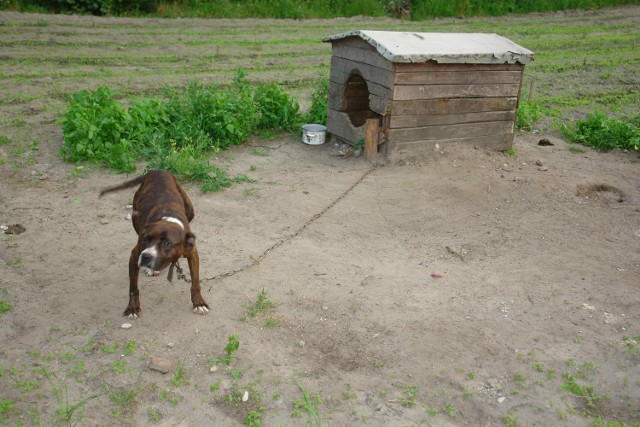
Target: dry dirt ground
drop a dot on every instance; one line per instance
(473, 289)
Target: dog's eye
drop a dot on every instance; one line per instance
(166, 244)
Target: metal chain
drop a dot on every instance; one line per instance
(181, 274)
(259, 259)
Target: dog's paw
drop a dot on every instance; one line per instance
(132, 313)
(201, 309)
(152, 273)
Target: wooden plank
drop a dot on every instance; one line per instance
(403, 93)
(452, 106)
(438, 132)
(342, 69)
(379, 104)
(356, 49)
(339, 124)
(417, 120)
(371, 139)
(434, 66)
(463, 77)
(421, 150)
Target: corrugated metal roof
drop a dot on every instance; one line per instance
(445, 48)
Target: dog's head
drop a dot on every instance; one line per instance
(163, 242)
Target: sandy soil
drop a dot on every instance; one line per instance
(467, 285)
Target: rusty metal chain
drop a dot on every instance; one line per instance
(258, 260)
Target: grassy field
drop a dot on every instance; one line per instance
(306, 9)
(583, 61)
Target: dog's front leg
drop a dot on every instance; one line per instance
(133, 309)
(200, 306)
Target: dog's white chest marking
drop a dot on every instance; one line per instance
(173, 220)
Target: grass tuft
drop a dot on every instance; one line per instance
(309, 404)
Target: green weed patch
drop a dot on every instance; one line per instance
(96, 129)
(605, 133)
(5, 305)
(319, 103)
(527, 115)
(232, 346)
(179, 132)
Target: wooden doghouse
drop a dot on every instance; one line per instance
(424, 89)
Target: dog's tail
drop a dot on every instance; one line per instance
(132, 183)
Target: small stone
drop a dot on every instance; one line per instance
(104, 221)
(170, 345)
(543, 168)
(214, 368)
(539, 162)
(325, 308)
(245, 396)
(161, 365)
(126, 326)
(129, 216)
(501, 399)
(301, 343)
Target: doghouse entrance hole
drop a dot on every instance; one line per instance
(356, 96)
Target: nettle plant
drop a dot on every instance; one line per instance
(95, 129)
(179, 132)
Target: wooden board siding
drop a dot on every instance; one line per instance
(466, 77)
(342, 69)
(403, 93)
(418, 120)
(434, 66)
(466, 103)
(449, 131)
(357, 50)
(452, 106)
(339, 124)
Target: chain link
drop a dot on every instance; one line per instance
(259, 259)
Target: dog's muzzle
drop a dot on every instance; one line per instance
(147, 261)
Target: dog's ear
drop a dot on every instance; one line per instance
(189, 241)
